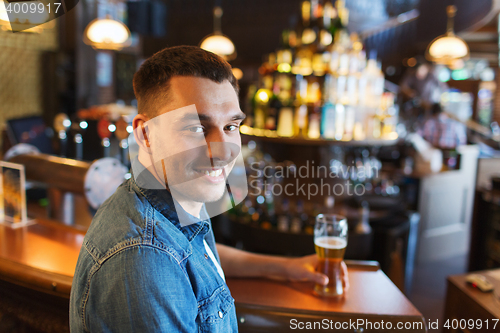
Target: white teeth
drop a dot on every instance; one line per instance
(213, 173)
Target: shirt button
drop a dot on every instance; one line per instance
(220, 315)
(206, 256)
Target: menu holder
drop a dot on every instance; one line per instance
(13, 211)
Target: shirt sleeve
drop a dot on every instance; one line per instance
(427, 131)
(461, 134)
(141, 289)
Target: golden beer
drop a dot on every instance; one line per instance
(330, 242)
(330, 251)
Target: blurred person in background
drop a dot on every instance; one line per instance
(420, 89)
(444, 133)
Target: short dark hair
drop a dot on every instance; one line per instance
(151, 81)
(436, 109)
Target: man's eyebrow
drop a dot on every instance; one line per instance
(239, 116)
(190, 116)
(205, 117)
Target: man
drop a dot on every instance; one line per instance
(423, 84)
(149, 262)
(421, 89)
(442, 131)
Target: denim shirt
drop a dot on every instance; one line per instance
(140, 270)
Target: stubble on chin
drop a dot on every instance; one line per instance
(200, 193)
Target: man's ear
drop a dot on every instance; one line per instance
(139, 123)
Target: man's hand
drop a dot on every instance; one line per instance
(237, 263)
(304, 269)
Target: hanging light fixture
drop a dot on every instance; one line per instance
(218, 43)
(107, 34)
(448, 48)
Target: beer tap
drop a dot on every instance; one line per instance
(78, 127)
(123, 130)
(61, 126)
(104, 132)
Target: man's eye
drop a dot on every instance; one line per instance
(232, 127)
(196, 129)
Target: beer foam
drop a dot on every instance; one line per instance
(328, 242)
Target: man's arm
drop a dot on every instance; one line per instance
(140, 289)
(238, 263)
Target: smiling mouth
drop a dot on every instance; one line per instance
(212, 173)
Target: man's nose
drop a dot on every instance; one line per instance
(219, 149)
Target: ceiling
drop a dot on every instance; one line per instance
(255, 26)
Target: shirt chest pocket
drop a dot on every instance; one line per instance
(216, 313)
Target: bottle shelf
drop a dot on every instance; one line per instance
(389, 139)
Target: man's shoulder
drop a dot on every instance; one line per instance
(122, 217)
(126, 219)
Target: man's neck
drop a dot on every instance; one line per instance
(145, 159)
(191, 207)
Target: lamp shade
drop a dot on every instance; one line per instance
(446, 49)
(107, 34)
(220, 45)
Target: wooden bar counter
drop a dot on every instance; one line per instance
(37, 263)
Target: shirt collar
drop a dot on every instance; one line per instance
(144, 183)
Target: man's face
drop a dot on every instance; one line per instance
(422, 71)
(197, 139)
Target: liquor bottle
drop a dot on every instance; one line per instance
(341, 83)
(274, 108)
(285, 126)
(301, 120)
(311, 219)
(258, 216)
(259, 117)
(326, 37)
(264, 218)
(284, 56)
(297, 222)
(246, 211)
(340, 18)
(328, 120)
(314, 123)
(285, 122)
(350, 114)
(250, 105)
(327, 126)
(301, 113)
(339, 121)
(363, 226)
(308, 35)
(313, 93)
(262, 98)
(284, 217)
(270, 207)
(285, 88)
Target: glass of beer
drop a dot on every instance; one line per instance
(330, 241)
